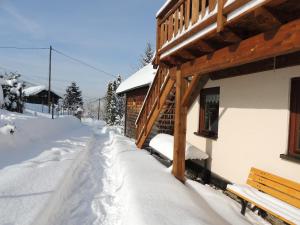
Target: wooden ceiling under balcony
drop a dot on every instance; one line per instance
(173, 20)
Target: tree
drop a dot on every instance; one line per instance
(12, 92)
(108, 109)
(147, 57)
(114, 110)
(73, 97)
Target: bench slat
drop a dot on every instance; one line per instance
(274, 185)
(280, 180)
(277, 194)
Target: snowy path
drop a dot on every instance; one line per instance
(118, 184)
(75, 174)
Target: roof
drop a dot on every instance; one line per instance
(141, 78)
(35, 90)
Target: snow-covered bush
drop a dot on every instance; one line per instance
(12, 92)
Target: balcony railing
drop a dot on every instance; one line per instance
(195, 18)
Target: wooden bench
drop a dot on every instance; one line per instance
(270, 193)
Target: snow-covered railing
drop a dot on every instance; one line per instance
(181, 19)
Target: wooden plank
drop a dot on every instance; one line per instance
(195, 11)
(181, 19)
(179, 129)
(277, 179)
(176, 22)
(275, 185)
(277, 194)
(212, 5)
(221, 19)
(187, 14)
(203, 8)
(281, 41)
(261, 207)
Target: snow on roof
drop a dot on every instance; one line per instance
(163, 7)
(141, 78)
(35, 90)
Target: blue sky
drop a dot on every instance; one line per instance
(107, 34)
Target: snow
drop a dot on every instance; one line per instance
(64, 172)
(275, 205)
(163, 7)
(35, 90)
(139, 79)
(34, 164)
(7, 129)
(164, 143)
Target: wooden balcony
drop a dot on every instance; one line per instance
(187, 29)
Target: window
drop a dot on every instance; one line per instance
(209, 112)
(294, 138)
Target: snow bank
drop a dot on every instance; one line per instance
(28, 131)
(164, 143)
(141, 78)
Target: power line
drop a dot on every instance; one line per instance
(21, 48)
(84, 63)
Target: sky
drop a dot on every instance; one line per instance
(110, 35)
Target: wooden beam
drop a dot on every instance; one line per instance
(180, 129)
(284, 40)
(221, 19)
(197, 83)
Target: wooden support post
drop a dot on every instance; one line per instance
(180, 128)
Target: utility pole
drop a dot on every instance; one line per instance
(49, 88)
(99, 105)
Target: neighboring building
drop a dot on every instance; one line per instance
(135, 89)
(236, 70)
(39, 95)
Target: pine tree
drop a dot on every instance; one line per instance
(114, 110)
(108, 108)
(147, 57)
(73, 97)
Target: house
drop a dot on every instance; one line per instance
(235, 66)
(39, 95)
(135, 89)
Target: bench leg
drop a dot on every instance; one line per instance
(244, 206)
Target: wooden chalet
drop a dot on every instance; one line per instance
(135, 89)
(235, 68)
(39, 95)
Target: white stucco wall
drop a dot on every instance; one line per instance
(253, 125)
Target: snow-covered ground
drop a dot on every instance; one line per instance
(63, 172)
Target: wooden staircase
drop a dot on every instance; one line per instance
(154, 103)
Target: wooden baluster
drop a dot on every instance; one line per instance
(212, 5)
(203, 8)
(195, 11)
(187, 13)
(181, 16)
(221, 19)
(162, 35)
(176, 23)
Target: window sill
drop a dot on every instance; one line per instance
(291, 158)
(206, 136)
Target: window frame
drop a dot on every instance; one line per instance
(201, 127)
(294, 131)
